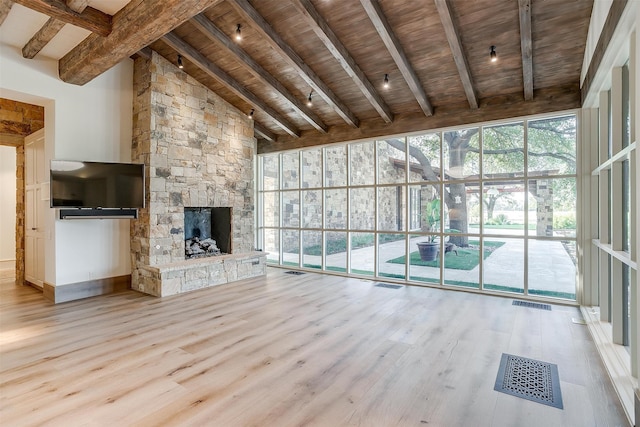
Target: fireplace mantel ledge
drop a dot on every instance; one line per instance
(203, 262)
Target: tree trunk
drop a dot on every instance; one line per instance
(458, 222)
(490, 203)
(456, 199)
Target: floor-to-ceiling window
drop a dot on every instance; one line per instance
(490, 207)
(609, 286)
(615, 170)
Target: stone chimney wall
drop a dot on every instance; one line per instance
(198, 151)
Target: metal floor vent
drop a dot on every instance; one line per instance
(529, 379)
(296, 273)
(387, 285)
(532, 305)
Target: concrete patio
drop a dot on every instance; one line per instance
(551, 269)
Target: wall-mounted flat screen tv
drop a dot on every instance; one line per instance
(79, 184)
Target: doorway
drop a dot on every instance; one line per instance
(22, 120)
(36, 203)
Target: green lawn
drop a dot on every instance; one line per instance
(466, 259)
(336, 246)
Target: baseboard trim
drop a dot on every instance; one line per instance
(7, 264)
(90, 288)
(33, 285)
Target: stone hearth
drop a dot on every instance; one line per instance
(189, 275)
(199, 152)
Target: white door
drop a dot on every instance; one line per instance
(36, 205)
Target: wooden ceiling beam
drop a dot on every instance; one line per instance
(495, 108)
(526, 47)
(339, 51)
(78, 5)
(397, 52)
(145, 52)
(49, 31)
(444, 10)
(15, 128)
(90, 19)
(202, 62)
(11, 140)
(138, 24)
(216, 35)
(610, 25)
(263, 132)
(42, 37)
(245, 8)
(5, 8)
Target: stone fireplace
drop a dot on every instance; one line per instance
(207, 232)
(199, 152)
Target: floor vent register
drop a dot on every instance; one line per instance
(387, 285)
(532, 305)
(529, 379)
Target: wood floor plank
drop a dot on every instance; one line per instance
(285, 350)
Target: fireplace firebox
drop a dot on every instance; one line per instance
(207, 231)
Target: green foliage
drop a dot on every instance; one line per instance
(432, 215)
(360, 240)
(553, 144)
(386, 238)
(498, 220)
(503, 148)
(429, 145)
(564, 194)
(564, 222)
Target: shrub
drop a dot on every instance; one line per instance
(564, 222)
(498, 220)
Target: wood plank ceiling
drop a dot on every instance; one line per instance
(336, 54)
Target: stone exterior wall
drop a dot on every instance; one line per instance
(306, 171)
(336, 166)
(542, 190)
(199, 152)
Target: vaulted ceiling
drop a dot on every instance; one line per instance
(434, 53)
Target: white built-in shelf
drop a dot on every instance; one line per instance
(620, 156)
(622, 256)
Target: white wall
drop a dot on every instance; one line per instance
(7, 207)
(90, 122)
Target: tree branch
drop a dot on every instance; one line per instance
(560, 156)
(545, 126)
(427, 171)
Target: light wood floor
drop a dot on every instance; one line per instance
(289, 350)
